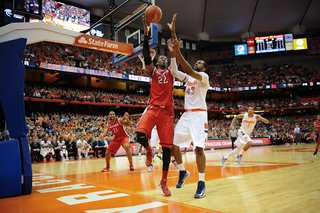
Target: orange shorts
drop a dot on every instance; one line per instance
(116, 143)
(163, 118)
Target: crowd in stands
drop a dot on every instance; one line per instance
(246, 75)
(268, 103)
(83, 94)
(47, 129)
(229, 76)
(306, 75)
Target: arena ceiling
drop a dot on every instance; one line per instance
(223, 20)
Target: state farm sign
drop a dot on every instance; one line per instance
(103, 45)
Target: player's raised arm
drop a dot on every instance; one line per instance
(264, 120)
(146, 48)
(239, 116)
(172, 26)
(106, 132)
(185, 65)
(174, 68)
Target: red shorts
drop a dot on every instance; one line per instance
(318, 136)
(116, 143)
(163, 118)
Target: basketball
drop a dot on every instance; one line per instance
(153, 14)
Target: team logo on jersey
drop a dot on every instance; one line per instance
(190, 84)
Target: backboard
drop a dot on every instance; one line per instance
(133, 32)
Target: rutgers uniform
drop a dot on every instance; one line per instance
(193, 124)
(120, 136)
(246, 128)
(317, 125)
(160, 111)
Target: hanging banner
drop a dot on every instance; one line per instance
(96, 43)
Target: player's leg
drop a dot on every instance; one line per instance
(112, 149)
(198, 125)
(126, 146)
(79, 153)
(108, 154)
(317, 147)
(143, 131)
(165, 128)
(182, 138)
(201, 163)
(239, 147)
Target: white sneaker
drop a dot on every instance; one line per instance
(80, 157)
(150, 169)
(67, 158)
(223, 160)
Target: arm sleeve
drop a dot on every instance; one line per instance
(146, 51)
(175, 72)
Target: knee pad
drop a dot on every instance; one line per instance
(142, 139)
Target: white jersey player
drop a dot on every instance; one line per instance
(244, 141)
(193, 124)
(46, 147)
(63, 149)
(83, 147)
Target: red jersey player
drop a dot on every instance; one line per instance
(115, 125)
(316, 125)
(160, 111)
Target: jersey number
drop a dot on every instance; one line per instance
(191, 90)
(114, 130)
(162, 80)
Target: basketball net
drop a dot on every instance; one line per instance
(152, 55)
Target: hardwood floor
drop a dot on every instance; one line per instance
(270, 179)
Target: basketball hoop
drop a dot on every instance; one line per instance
(152, 55)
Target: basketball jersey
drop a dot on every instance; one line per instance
(196, 91)
(117, 129)
(61, 143)
(161, 87)
(317, 124)
(248, 123)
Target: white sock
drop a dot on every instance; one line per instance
(201, 177)
(181, 167)
(242, 151)
(235, 151)
(139, 154)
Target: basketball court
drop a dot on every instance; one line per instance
(269, 180)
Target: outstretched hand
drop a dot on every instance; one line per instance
(145, 25)
(172, 24)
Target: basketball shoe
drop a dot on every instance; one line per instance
(106, 169)
(184, 174)
(131, 167)
(164, 188)
(239, 159)
(150, 169)
(223, 160)
(200, 190)
(149, 158)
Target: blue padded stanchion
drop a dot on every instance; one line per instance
(11, 99)
(10, 168)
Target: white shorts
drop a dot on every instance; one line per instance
(154, 140)
(45, 151)
(243, 138)
(192, 127)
